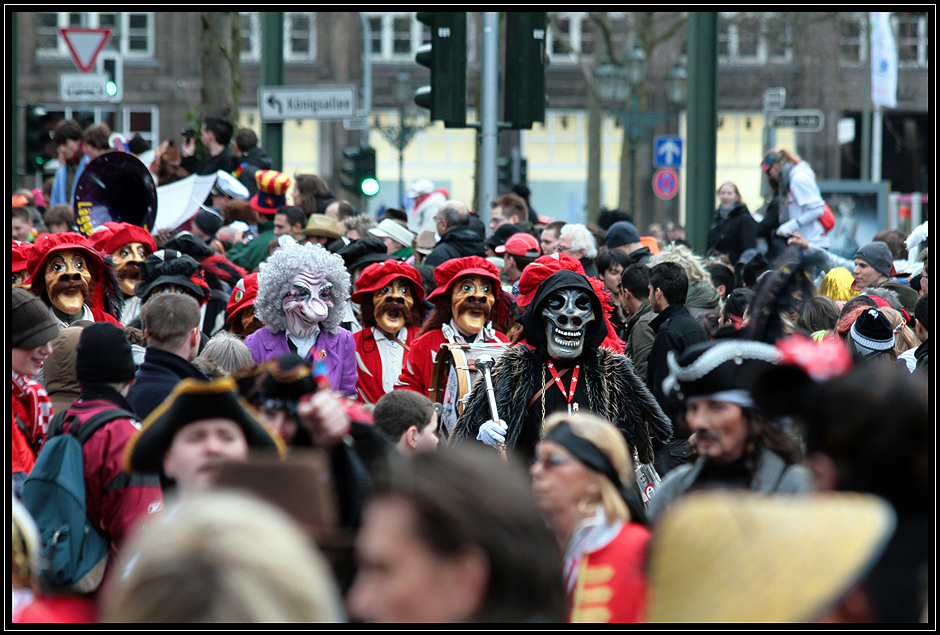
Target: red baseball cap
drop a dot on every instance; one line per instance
(521, 244)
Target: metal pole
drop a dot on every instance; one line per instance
(366, 75)
(489, 126)
(876, 144)
(703, 118)
(401, 158)
(272, 74)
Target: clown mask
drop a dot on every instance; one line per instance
(471, 303)
(307, 303)
(67, 277)
(567, 314)
(127, 260)
(393, 304)
(19, 277)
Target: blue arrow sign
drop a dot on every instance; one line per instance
(667, 151)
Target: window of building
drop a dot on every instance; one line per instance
(753, 38)
(910, 31)
(300, 36)
(576, 34)
(132, 33)
(853, 40)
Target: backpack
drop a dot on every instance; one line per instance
(74, 551)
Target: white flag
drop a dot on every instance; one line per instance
(884, 61)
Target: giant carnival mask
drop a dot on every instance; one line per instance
(127, 260)
(567, 314)
(472, 302)
(392, 305)
(307, 303)
(67, 278)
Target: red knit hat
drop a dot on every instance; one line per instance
(379, 274)
(447, 273)
(109, 236)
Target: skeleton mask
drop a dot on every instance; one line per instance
(567, 314)
(127, 260)
(67, 278)
(307, 303)
(393, 304)
(471, 303)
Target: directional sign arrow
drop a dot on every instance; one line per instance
(670, 150)
(274, 102)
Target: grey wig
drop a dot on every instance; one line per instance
(279, 269)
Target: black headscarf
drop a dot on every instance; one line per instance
(534, 325)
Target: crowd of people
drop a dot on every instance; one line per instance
(292, 412)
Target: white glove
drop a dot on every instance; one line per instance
(788, 227)
(493, 433)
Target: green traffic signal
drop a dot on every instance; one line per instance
(370, 187)
(368, 184)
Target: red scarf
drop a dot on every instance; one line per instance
(37, 403)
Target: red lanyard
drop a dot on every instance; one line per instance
(569, 394)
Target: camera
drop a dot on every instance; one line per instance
(187, 134)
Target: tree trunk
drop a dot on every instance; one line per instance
(217, 55)
(595, 121)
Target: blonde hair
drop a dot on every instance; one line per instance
(683, 256)
(609, 440)
(223, 556)
(904, 338)
(837, 284)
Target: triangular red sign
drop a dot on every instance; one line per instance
(85, 44)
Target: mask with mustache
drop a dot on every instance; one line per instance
(471, 303)
(393, 304)
(67, 277)
(127, 260)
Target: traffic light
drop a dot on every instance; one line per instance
(359, 170)
(503, 174)
(37, 136)
(113, 67)
(350, 178)
(524, 91)
(368, 184)
(446, 57)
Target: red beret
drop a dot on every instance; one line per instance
(109, 236)
(21, 252)
(48, 243)
(541, 268)
(243, 295)
(379, 274)
(447, 272)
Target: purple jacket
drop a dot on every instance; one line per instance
(337, 351)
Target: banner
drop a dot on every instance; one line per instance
(884, 61)
(177, 202)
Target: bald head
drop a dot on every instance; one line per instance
(453, 214)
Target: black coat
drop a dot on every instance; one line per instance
(156, 378)
(734, 234)
(252, 161)
(675, 330)
(455, 243)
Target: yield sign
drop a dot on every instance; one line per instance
(85, 44)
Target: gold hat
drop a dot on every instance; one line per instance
(724, 556)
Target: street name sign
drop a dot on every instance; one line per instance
(88, 88)
(805, 120)
(279, 103)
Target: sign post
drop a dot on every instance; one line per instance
(667, 151)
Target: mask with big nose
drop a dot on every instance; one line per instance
(567, 314)
(67, 280)
(393, 304)
(127, 260)
(472, 302)
(307, 303)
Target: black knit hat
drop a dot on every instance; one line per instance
(31, 323)
(209, 220)
(103, 355)
(872, 332)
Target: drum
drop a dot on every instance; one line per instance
(453, 377)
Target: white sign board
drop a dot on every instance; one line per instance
(278, 103)
(84, 44)
(83, 87)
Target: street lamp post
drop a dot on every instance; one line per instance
(616, 84)
(400, 135)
